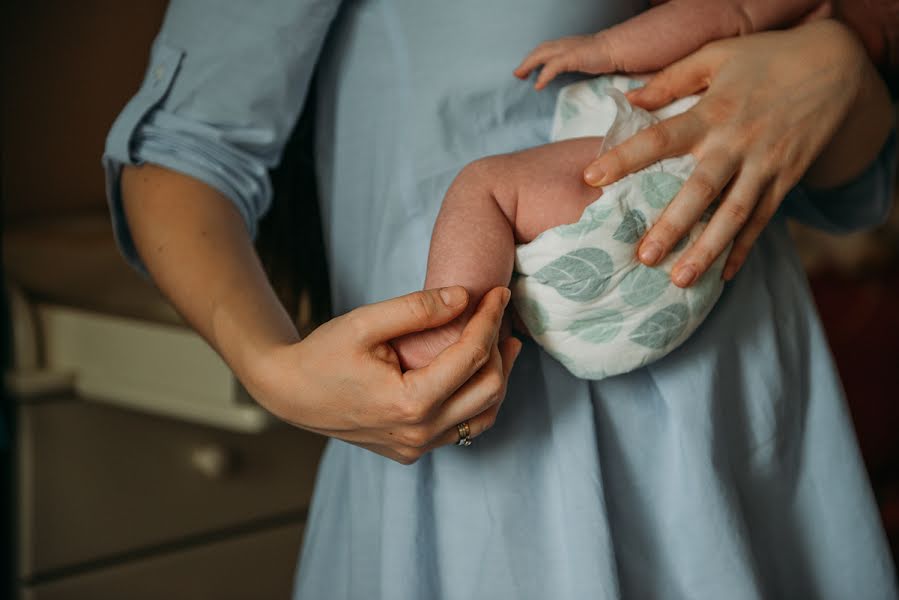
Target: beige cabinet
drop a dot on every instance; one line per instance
(256, 565)
(117, 504)
(98, 482)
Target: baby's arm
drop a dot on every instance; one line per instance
(662, 35)
(493, 204)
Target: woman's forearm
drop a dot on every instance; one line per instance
(862, 133)
(195, 245)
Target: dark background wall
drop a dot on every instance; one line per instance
(68, 69)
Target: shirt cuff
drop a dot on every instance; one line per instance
(862, 203)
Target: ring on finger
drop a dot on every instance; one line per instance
(464, 432)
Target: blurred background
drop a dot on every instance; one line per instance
(134, 465)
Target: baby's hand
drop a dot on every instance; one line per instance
(582, 53)
(664, 34)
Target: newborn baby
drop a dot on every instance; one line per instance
(579, 288)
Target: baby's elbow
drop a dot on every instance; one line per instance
(478, 171)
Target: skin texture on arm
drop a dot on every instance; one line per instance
(344, 379)
(668, 32)
(184, 244)
(492, 205)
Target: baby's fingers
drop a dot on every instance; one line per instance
(537, 57)
(586, 54)
(555, 66)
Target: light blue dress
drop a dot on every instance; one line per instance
(726, 470)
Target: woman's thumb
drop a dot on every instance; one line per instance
(410, 313)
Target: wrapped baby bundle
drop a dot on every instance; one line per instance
(579, 288)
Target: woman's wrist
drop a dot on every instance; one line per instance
(197, 248)
(868, 121)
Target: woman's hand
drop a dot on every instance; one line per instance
(344, 380)
(772, 104)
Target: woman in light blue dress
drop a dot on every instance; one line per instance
(726, 470)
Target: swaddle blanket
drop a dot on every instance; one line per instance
(579, 288)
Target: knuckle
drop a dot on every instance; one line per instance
(667, 233)
(421, 305)
(409, 412)
(495, 385)
(408, 456)
(735, 211)
(658, 137)
(702, 186)
(415, 437)
(357, 324)
(704, 255)
(480, 353)
(721, 109)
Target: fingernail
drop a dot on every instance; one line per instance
(650, 253)
(729, 272)
(453, 296)
(685, 276)
(507, 293)
(517, 350)
(594, 175)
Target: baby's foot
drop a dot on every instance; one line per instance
(417, 350)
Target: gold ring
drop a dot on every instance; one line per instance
(464, 431)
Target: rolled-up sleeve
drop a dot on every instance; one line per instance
(225, 83)
(861, 203)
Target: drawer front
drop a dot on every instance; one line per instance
(260, 565)
(97, 481)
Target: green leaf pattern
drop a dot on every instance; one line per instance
(632, 227)
(592, 218)
(568, 110)
(659, 188)
(599, 327)
(533, 314)
(643, 285)
(662, 328)
(581, 275)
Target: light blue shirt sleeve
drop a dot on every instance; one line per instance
(861, 203)
(224, 86)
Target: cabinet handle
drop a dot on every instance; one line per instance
(214, 461)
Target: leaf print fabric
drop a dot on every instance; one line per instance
(632, 227)
(643, 285)
(580, 275)
(662, 328)
(659, 189)
(601, 326)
